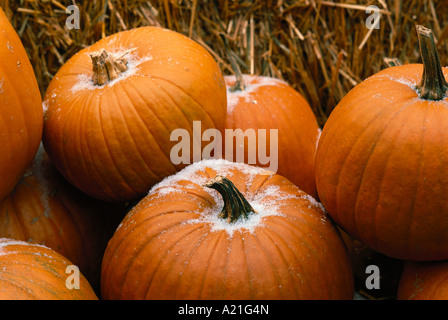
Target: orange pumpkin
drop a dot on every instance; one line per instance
(222, 230)
(20, 109)
(43, 208)
(111, 109)
(261, 104)
(424, 281)
(35, 272)
(382, 160)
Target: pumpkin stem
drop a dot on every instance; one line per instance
(239, 84)
(235, 204)
(106, 67)
(433, 85)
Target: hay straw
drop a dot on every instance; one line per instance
(322, 48)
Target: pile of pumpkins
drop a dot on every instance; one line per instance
(87, 177)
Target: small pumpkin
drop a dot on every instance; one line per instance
(259, 104)
(20, 108)
(223, 230)
(45, 209)
(35, 272)
(426, 280)
(382, 159)
(111, 110)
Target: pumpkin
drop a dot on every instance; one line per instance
(222, 230)
(427, 280)
(110, 111)
(260, 106)
(45, 209)
(35, 272)
(382, 159)
(20, 109)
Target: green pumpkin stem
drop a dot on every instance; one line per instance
(239, 83)
(433, 85)
(235, 204)
(106, 67)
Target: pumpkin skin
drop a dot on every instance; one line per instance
(267, 103)
(112, 141)
(45, 209)
(21, 113)
(382, 166)
(172, 245)
(35, 272)
(424, 281)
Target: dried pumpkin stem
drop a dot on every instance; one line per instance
(433, 85)
(235, 204)
(106, 67)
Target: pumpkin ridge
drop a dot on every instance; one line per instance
(352, 150)
(247, 267)
(296, 231)
(131, 136)
(274, 268)
(161, 214)
(39, 283)
(187, 95)
(207, 261)
(142, 224)
(123, 245)
(417, 180)
(218, 238)
(341, 111)
(23, 111)
(79, 137)
(372, 149)
(260, 187)
(249, 270)
(299, 233)
(148, 128)
(161, 260)
(100, 179)
(198, 196)
(110, 154)
(276, 237)
(17, 285)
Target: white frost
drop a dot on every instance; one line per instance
(267, 202)
(233, 98)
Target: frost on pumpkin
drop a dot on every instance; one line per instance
(267, 201)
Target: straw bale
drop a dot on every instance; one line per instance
(322, 48)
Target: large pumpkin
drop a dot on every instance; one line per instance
(382, 160)
(35, 272)
(112, 108)
(45, 209)
(20, 108)
(424, 281)
(221, 230)
(279, 129)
